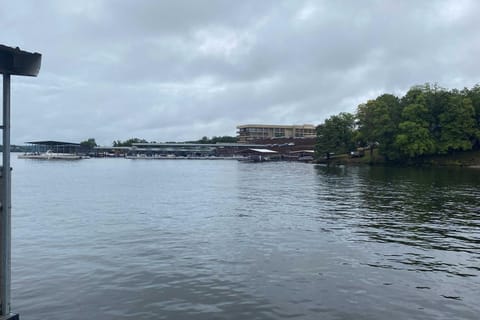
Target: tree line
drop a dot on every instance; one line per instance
(90, 143)
(215, 139)
(427, 120)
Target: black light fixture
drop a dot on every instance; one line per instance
(13, 61)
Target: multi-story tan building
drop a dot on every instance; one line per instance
(250, 132)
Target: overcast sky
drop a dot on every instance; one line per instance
(179, 70)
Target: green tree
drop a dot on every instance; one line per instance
(214, 139)
(376, 125)
(436, 99)
(128, 143)
(474, 95)
(427, 120)
(458, 129)
(224, 139)
(335, 135)
(414, 138)
(88, 144)
(416, 95)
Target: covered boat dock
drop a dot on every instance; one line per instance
(260, 154)
(55, 146)
(195, 150)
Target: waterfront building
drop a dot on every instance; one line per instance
(251, 132)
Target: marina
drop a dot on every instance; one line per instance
(292, 150)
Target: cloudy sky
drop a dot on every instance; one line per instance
(179, 70)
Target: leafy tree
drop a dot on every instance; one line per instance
(416, 112)
(393, 106)
(458, 130)
(474, 95)
(129, 142)
(336, 134)
(88, 144)
(214, 139)
(416, 95)
(224, 139)
(436, 99)
(376, 124)
(415, 139)
(428, 119)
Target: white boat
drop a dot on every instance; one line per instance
(50, 155)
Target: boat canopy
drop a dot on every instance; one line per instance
(258, 151)
(53, 143)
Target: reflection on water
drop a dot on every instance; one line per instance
(429, 210)
(225, 240)
(426, 220)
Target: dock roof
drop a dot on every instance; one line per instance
(53, 143)
(303, 151)
(258, 151)
(182, 144)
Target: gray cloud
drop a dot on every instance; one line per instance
(179, 70)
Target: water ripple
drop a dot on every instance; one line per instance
(126, 239)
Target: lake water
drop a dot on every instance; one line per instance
(179, 239)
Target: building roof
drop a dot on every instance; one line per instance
(179, 145)
(53, 143)
(111, 148)
(303, 151)
(258, 151)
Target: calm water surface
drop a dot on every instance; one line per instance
(133, 239)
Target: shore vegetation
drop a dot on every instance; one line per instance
(428, 122)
